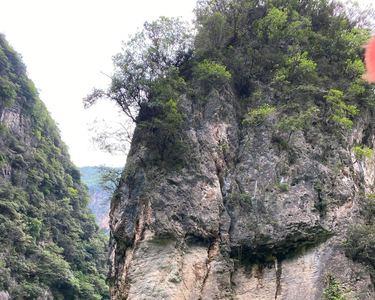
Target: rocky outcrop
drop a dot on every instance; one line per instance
(248, 218)
(4, 296)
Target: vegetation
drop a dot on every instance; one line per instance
(148, 56)
(362, 152)
(257, 116)
(49, 240)
(289, 51)
(211, 75)
(301, 60)
(283, 187)
(297, 122)
(333, 290)
(7, 92)
(101, 183)
(341, 113)
(360, 244)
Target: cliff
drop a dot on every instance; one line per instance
(50, 247)
(266, 189)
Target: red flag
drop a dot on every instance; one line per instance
(370, 61)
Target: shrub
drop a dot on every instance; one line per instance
(257, 116)
(241, 197)
(301, 67)
(7, 91)
(360, 243)
(332, 290)
(35, 226)
(341, 112)
(211, 75)
(298, 122)
(164, 132)
(272, 25)
(362, 152)
(283, 187)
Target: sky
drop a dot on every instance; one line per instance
(67, 45)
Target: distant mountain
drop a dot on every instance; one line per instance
(99, 197)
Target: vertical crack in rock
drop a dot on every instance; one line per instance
(278, 268)
(211, 253)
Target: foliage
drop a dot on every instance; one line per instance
(304, 56)
(332, 290)
(272, 25)
(296, 51)
(213, 36)
(298, 122)
(149, 55)
(241, 197)
(283, 187)
(300, 68)
(47, 234)
(210, 75)
(362, 152)
(360, 243)
(257, 116)
(109, 179)
(341, 113)
(163, 132)
(7, 92)
(147, 85)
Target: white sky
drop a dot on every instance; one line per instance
(66, 44)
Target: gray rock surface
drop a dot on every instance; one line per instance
(246, 219)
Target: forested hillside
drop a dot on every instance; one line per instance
(50, 246)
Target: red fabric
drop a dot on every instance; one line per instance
(370, 61)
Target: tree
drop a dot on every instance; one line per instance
(297, 122)
(257, 116)
(113, 137)
(109, 179)
(340, 112)
(149, 55)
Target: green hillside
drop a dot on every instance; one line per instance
(50, 244)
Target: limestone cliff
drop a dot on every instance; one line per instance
(225, 229)
(277, 165)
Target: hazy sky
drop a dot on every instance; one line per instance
(66, 44)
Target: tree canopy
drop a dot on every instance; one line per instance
(302, 58)
(149, 55)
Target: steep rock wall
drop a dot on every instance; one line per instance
(248, 219)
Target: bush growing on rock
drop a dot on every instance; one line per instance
(210, 74)
(258, 115)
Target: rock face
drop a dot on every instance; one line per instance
(248, 219)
